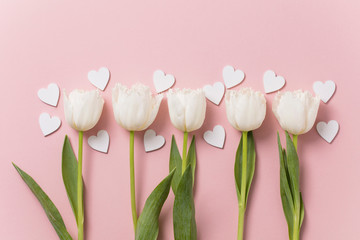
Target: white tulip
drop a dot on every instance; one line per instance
(187, 108)
(83, 109)
(296, 111)
(245, 108)
(135, 108)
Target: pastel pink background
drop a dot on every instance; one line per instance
(48, 41)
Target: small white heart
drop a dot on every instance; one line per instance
(152, 141)
(272, 82)
(216, 137)
(324, 90)
(99, 78)
(100, 142)
(232, 77)
(162, 81)
(328, 131)
(50, 95)
(215, 92)
(48, 124)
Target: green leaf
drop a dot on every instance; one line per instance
(291, 198)
(49, 207)
(191, 157)
(293, 168)
(286, 195)
(250, 167)
(69, 174)
(184, 209)
(302, 211)
(148, 223)
(175, 163)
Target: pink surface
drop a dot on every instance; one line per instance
(48, 41)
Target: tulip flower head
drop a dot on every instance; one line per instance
(135, 108)
(187, 108)
(296, 111)
(83, 109)
(245, 108)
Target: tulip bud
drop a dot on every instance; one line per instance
(135, 109)
(245, 108)
(296, 111)
(83, 109)
(187, 108)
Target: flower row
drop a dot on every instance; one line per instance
(136, 108)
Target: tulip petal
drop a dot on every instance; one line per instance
(245, 109)
(83, 109)
(187, 108)
(135, 108)
(195, 110)
(176, 104)
(296, 111)
(153, 111)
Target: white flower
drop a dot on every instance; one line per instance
(135, 109)
(245, 108)
(187, 108)
(83, 109)
(296, 111)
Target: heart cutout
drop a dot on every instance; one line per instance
(272, 82)
(99, 78)
(215, 92)
(328, 131)
(324, 90)
(48, 124)
(216, 137)
(232, 77)
(50, 95)
(162, 81)
(100, 142)
(152, 141)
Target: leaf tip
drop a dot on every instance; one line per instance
(15, 166)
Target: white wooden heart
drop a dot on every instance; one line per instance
(216, 137)
(232, 77)
(324, 90)
(50, 95)
(162, 81)
(328, 131)
(215, 92)
(48, 124)
(99, 78)
(100, 142)
(152, 141)
(272, 82)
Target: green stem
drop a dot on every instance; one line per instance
(296, 228)
(80, 214)
(295, 141)
(184, 152)
(296, 220)
(242, 204)
(132, 180)
(241, 223)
